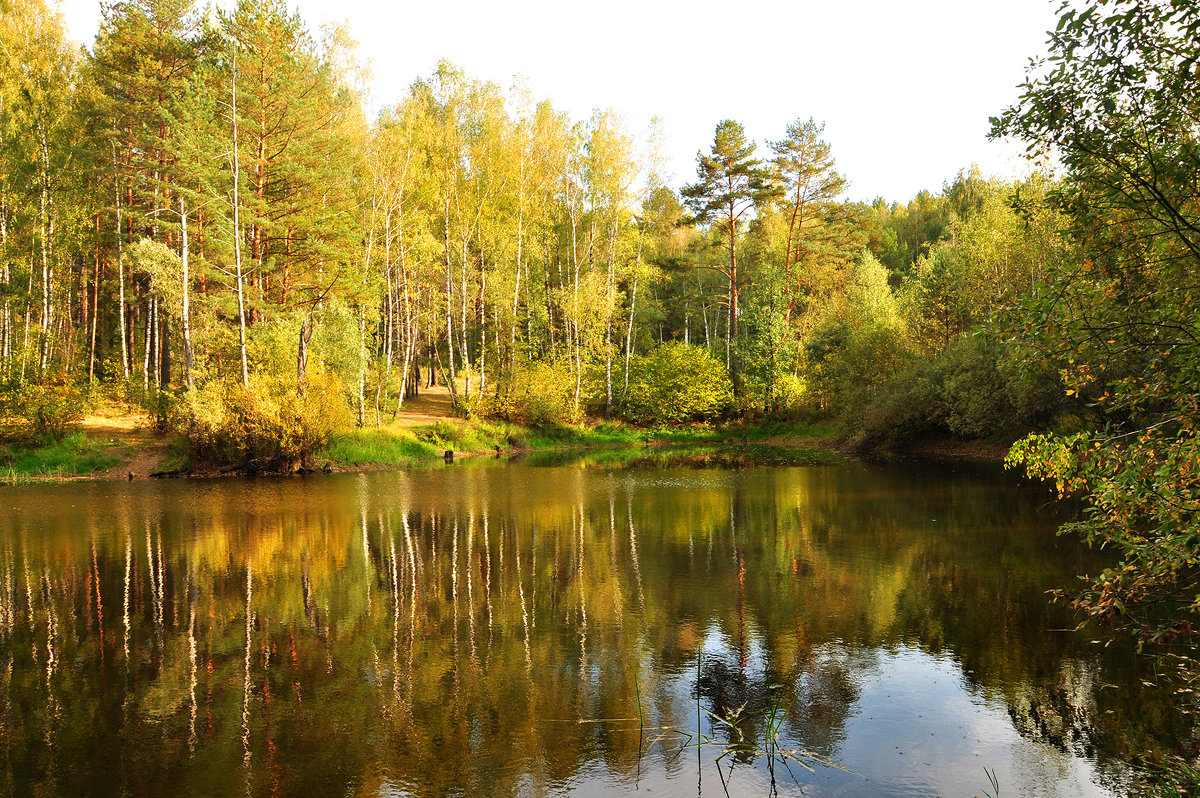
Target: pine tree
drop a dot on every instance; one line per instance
(144, 58)
(809, 187)
(731, 183)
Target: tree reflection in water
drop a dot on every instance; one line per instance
(511, 631)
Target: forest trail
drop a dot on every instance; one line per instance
(134, 431)
(431, 406)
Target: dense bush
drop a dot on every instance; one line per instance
(851, 366)
(676, 383)
(39, 413)
(441, 434)
(973, 388)
(858, 344)
(266, 425)
(537, 395)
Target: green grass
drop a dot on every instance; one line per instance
(480, 435)
(74, 455)
(605, 443)
(177, 455)
(689, 455)
(617, 434)
(377, 447)
(1175, 779)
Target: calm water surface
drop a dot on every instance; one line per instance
(526, 631)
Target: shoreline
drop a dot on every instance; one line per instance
(147, 455)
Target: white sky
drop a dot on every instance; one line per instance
(905, 88)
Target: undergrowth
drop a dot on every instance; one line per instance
(74, 455)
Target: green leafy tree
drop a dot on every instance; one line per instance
(144, 58)
(768, 346)
(860, 343)
(677, 383)
(1117, 104)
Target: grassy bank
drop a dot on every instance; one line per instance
(115, 447)
(397, 447)
(76, 455)
(690, 455)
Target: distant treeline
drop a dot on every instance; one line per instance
(199, 212)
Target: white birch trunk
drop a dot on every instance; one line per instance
(120, 273)
(185, 316)
(237, 235)
(47, 221)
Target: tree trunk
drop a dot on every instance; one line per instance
(512, 341)
(185, 318)
(28, 312)
(632, 305)
(612, 293)
(731, 330)
(482, 320)
(302, 353)
(237, 236)
(6, 320)
(362, 365)
(120, 274)
(452, 377)
(47, 222)
(95, 308)
(578, 359)
(162, 348)
(149, 337)
(410, 333)
(465, 353)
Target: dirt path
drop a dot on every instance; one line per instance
(431, 406)
(133, 431)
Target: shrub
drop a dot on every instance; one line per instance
(266, 425)
(790, 392)
(40, 413)
(537, 395)
(850, 366)
(676, 383)
(162, 407)
(441, 434)
(973, 389)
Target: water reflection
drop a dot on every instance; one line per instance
(533, 631)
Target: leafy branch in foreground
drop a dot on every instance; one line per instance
(1142, 498)
(1118, 106)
